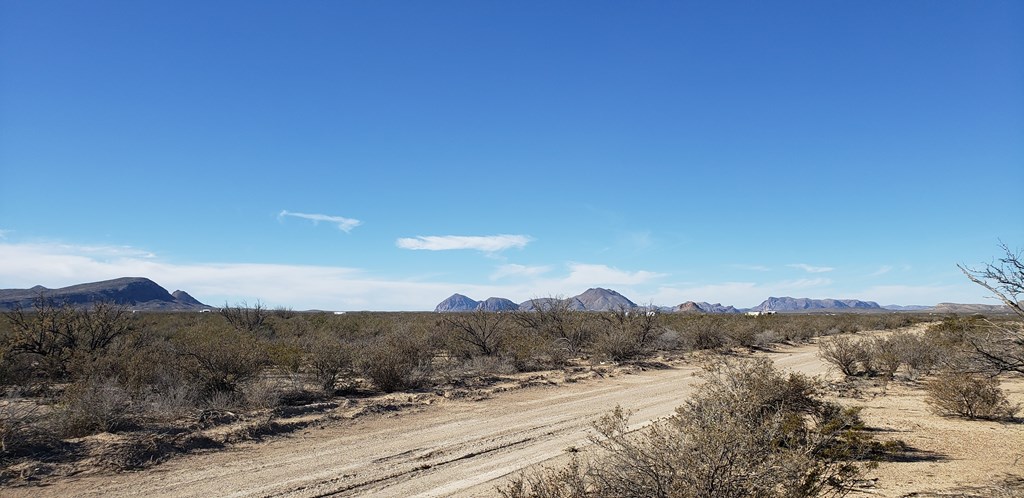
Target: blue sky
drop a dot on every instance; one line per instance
(384, 155)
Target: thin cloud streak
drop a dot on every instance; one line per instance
(591, 274)
(514, 270)
(53, 265)
(488, 243)
(881, 271)
(811, 269)
(344, 224)
(751, 267)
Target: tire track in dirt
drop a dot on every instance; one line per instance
(451, 448)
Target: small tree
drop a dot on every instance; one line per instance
(630, 333)
(246, 318)
(483, 331)
(1001, 348)
(59, 334)
(554, 317)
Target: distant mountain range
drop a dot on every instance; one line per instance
(969, 308)
(145, 295)
(692, 307)
(598, 299)
(133, 292)
(805, 304)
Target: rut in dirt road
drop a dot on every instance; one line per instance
(452, 448)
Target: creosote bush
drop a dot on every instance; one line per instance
(396, 362)
(97, 405)
(476, 333)
(246, 318)
(218, 358)
(969, 396)
(844, 353)
(626, 334)
(881, 356)
(330, 359)
(749, 431)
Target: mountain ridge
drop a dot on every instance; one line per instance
(138, 293)
(600, 299)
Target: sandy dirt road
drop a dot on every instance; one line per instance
(451, 448)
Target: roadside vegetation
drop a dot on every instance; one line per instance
(68, 373)
(751, 430)
(164, 379)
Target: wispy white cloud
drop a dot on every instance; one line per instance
(344, 224)
(751, 267)
(4, 233)
(811, 269)
(342, 288)
(514, 270)
(881, 271)
(637, 241)
(487, 243)
(801, 283)
(304, 287)
(591, 274)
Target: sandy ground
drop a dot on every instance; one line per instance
(467, 448)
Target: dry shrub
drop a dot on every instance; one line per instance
(627, 334)
(56, 336)
(882, 357)
(245, 318)
(615, 345)
(218, 359)
(96, 405)
(917, 353)
(477, 332)
(844, 353)
(969, 396)
(170, 400)
(329, 359)
(19, 425)
(529, 350)
(701, 332)
(482, 366)
(749, 431)
(555, 318)
(396, 362)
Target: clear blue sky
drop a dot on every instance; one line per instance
(366, 155)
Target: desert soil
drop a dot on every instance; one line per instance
(467, 447)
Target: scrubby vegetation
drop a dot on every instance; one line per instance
(751, 430)
(70, 372)
(968, 395)
(961, 381)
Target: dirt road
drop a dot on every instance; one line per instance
(459, 448)
(467, 448)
